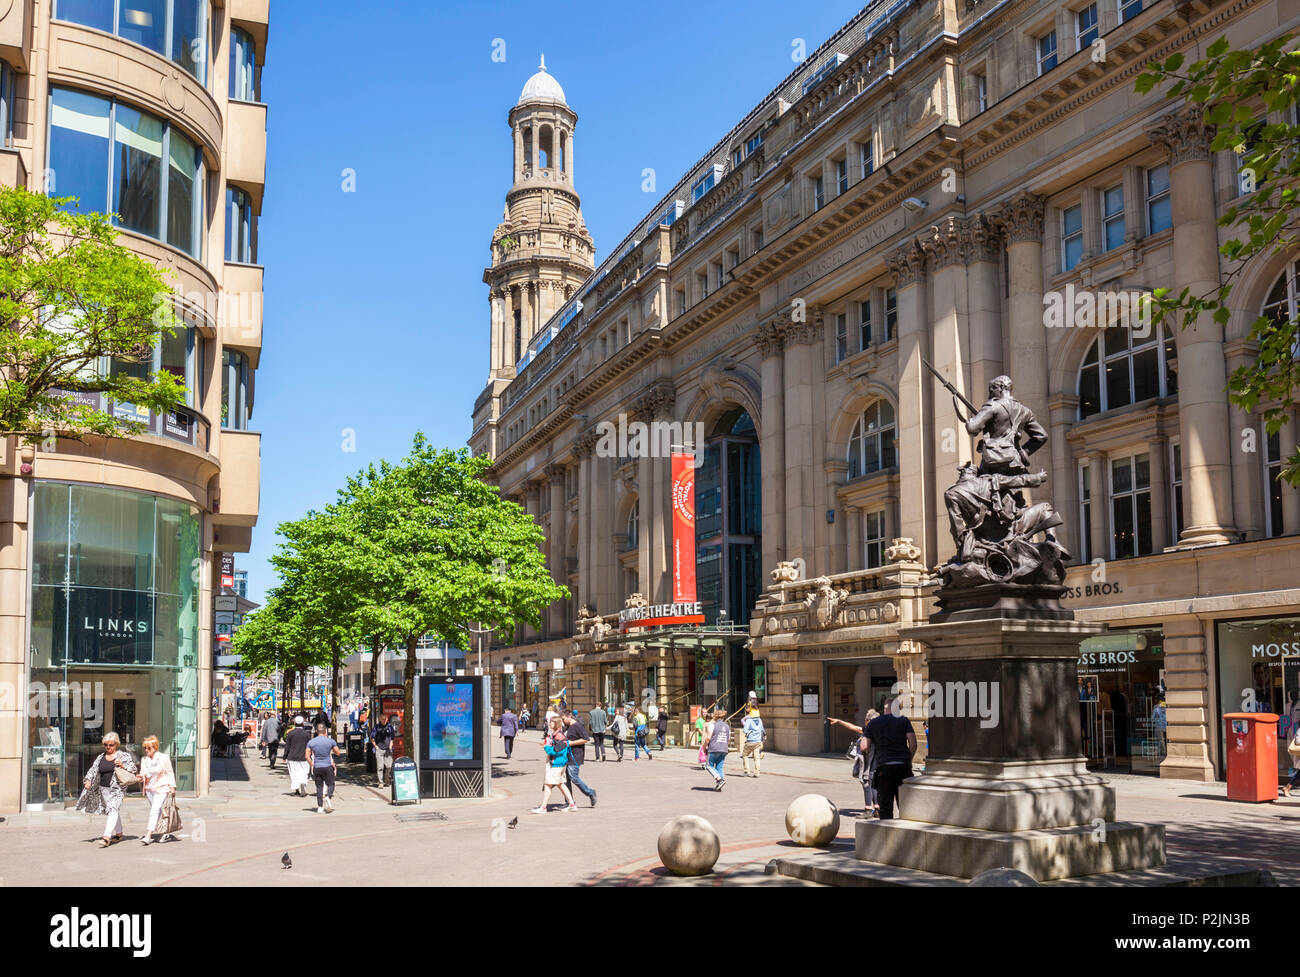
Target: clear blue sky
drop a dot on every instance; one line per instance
(376, 312)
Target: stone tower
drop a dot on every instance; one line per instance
(541, 251)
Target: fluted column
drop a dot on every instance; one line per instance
(801, 339)
(984, 288)
(558, 544)
(771, 444)
(1021, 220)
(1203, 414)
(915, 406)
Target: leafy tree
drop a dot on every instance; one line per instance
(71, 296)
(1235, 88)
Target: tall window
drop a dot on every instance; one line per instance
(819, 193)
(841, 336)
(244, 77)
(1047, 52)
(1112, 221)
(177, 354)
(1250, 142)
(865, 158)
(87, 162)
(1128, 9)
(891, 314)
(871, 446)
(1085, 514)
(981, 92)
(728, 524)
(1130, 493)
(1071, 236)
(6, 104)
(1274, 525)
(864, 324)
(236, 406)
(1283, 302)
(176, 29)
(873, 527)
(239, 227)
(1159, 213)
(634, 525)
(756, 235)
(1176, 488)
(1123, 368)
(519, 334)
(1085, 25)
(841, 175)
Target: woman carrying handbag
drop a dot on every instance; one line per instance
(159, 787)
(1294, 749)
(106, 782)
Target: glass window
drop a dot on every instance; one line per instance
(1273, 464)
(1085, 515)
(79, 148)
(1113, 217)
(1085, 25)
(1259, 672)
(1047, 52)
(871, 446)
(146, 23)
(634, 525)
(873, 525)
(1130, 486)
(729, 519)
(1176, 489)
(891, 314)
(1129, 9)
(89, 13)
(137, 170)
(868, 163)
(819, 193)
(184, 193)
(189, 33)
(234, 390)
(841, 336)
(6, 104)
(1071, 237)
(842, 175)
(981, 92)
(864, 324)
(239, 226)
(1123, 368)
(702, 186)
(1159, 213)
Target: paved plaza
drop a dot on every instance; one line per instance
(237, 835)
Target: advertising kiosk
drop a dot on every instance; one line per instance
(452, 729)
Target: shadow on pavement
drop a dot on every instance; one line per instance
(231, 769)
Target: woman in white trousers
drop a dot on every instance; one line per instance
(159, 781)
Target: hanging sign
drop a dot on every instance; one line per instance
(684, 609)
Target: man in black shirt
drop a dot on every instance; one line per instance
(577, 737)
(893, 741)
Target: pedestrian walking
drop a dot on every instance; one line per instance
(159, 782)
(295, 752)
(1293, 748)
(381, 738)
(618, 731)
(754, 733)
(103, 789)
(576, 735)
(891, 739)
(597, 723)
(509, 730)
(864, 763)
(321, 751)
(524, 716)
(718, 737)
(271, 736)
(557, 759)
(640, 726)
(661, 728)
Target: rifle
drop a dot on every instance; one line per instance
(950, 388)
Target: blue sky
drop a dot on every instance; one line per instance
(376, 312)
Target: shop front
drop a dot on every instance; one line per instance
(114, 632)
(851, 688)
(1259, 671)
(1122, 701)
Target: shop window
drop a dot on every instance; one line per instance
(872, 445)
(1122, 368)
(873, 525)
(1259, 671)
(1122, 709)
(1130, 492)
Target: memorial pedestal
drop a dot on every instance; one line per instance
(1006, 785)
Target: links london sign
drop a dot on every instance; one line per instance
(109, 627)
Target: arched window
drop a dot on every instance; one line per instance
(1282, 304)
(1122, 367)
(544, 148)
(559, 156)
(871, 448)
(633, 525)
(528, 147)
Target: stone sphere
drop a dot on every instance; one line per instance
(812, 820)
(1004, 878)
(688, 845)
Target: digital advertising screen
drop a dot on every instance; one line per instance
(450, 719)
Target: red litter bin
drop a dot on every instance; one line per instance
(1250, 741)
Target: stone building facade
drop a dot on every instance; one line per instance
(111, 549)
(934, 184)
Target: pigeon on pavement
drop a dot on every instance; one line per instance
(286, 861)
(514, 823)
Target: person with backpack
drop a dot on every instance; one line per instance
(755, 733)
(618, 731)
(717, 734)
(640, 726)
(557, 761)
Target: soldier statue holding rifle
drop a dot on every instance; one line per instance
(992, 526)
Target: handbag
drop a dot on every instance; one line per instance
(1294, 746)
(169, 818)
(125, 778)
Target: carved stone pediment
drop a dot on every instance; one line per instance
(825, 604)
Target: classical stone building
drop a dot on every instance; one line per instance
(111, 548)
(935, 183)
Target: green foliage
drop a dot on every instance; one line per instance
(1236, 89)
(70, 296)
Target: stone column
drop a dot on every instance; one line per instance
(771, 444)
(533, 506)
(1022, 222)
(1063, 477)
(519, 153)
(982, 242)
(558, 545)
(801, 339)
(837, 470)
(1202, 376)
(1157, 452)
(950, 445)
(915, 406)
(853, 538)
(1099, 501)
(1286, 438)
(583, 447)
(1188, 709)
(14, 591)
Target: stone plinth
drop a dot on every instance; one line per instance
(1006, 784)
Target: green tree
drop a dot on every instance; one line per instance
(1234, 89)
(71, 299)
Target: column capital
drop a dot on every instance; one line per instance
(982, 238)
(1185, 133)
(770, 337)
(555, 473)
(907, 264)
(656, 402)
(808, 332)
(1021, 218)
(585, 443)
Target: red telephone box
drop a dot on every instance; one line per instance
(1250, 743)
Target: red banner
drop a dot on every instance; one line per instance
(683, 527)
